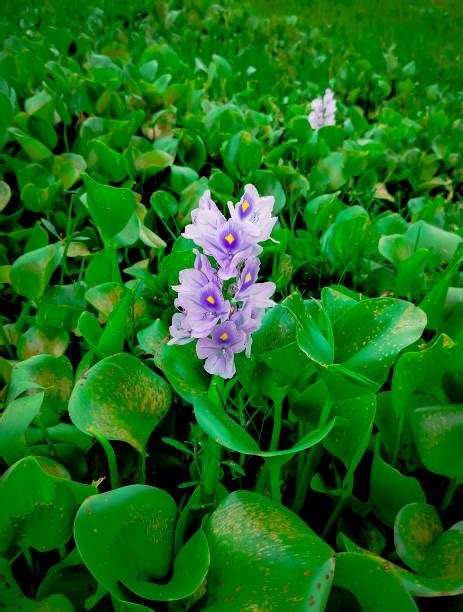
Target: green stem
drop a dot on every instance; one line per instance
(395, 455)
(451, 490)
(142, 473)
(275, 480)
(46, 435)
(336, 512)
(111, 458)
(278, 405)
(210, 473)
(29, 560)
(310, 466)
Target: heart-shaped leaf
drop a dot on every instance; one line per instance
(135, 527)
(265, 557)
(120, 399)
(31, 273)
(417, 527)
(40, 509)
(110, 207)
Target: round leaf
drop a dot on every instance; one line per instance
(120, 399)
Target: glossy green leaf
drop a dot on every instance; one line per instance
(51, 374)
(120, 399)
(221, 427)
(437, 432)
(110, 207)
(135, 526)
(390, 490)
(417, 527)
(272, 559)
(31, 273)
(310, 338)
(12, 598)
(40, 509)
(15, 420)
(370, 580)
(369, 335)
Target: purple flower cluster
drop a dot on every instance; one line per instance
(323, 111)
(221, 305)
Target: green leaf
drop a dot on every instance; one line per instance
(242, 154)
(5, 194)
(437, 431)
(16, 418)
(135, 526)
(223, 429)
(12, 598)
(265, 557)
(350, 437)
(34, 148)
(317, 345)
(105, 296)
(110, 207)
(120, 399)
(369, 335)
(40, 509)
(417, 527)
(42, 341)
(369, 579)
(182, 177)
(164, 204)
(31, 273)
(275, 343)
(52, 374)
(390, 490)
(184, 371)
(154, 161)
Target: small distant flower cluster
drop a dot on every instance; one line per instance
(220, 303)
(323, 111)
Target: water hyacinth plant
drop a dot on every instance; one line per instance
(323, 111)
(294, 442)
(222, 304)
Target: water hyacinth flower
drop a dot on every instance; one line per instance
(220, 302)
(323, 111)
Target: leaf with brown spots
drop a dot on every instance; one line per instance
(120, 399)
(264, 558)
(51, 374)
(438, 435)
(369, 335)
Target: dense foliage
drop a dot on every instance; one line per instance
(326, 473)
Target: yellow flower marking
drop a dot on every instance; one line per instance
(230, 238)
(224, 336)
(210, 299)
(247, 278)
(245, 205)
